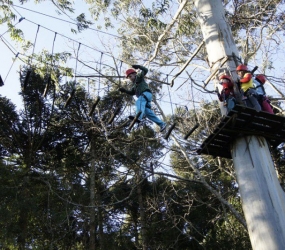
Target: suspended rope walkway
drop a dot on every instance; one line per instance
(209, 146)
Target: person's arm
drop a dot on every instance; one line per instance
(142, 68)
(129, 92)
(219, 95)
(247, 77)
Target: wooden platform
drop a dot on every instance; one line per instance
(242, 121)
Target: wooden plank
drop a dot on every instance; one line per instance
(258, 123)
(262, 117)
(260, 120)
(273, 136)
(245, 121)
(215, 151)
(243, 109)
(213, 135)
(218, 143)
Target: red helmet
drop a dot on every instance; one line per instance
(261, 78)
(225, 77)
(242, 67)
(130, 71)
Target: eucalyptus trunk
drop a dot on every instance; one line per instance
(92, 244)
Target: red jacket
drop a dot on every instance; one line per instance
(228, 89)
(246, 82)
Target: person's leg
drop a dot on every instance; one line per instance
(252, 96)
(140, 106)
(252, 101)
(231, 102)
(266, 106)
(150, 114)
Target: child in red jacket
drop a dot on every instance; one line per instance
(227, 93)
(247, 87)
(264, 102)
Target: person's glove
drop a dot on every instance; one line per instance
(135, 66)
(122, 90)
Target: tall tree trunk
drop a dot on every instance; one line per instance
(100, 212)
(23, 217)
(262, 197)
(92, 243)
(142, 211)
(23, 221)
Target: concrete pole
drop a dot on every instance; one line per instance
(262, 198)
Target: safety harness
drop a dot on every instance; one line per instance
(147, 101)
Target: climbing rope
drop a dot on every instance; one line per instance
(196, 119)
(51, 68)
(77, 53)
(166, 136)
(30, 59)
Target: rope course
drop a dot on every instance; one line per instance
(27, 77)
(51, 68)
(73, 23)
(211, 146)
(96, 101)
(16, 56)
(70, 39)
(211, 143)
(135, 119)
(196, 119)
(73, 90)
(100, 75)
(62, 20)
(70, 96)
(9, 47)
(94, 106)
(79, 44)
(100, 71)
(173, 122)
